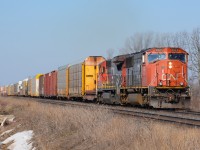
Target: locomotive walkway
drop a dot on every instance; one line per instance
(188, 118)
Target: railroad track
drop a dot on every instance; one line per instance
(187, 112)
(180, 117)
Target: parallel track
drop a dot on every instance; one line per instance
(180, 117)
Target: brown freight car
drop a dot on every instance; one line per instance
(50, 84)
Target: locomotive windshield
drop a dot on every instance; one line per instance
(177, 56)
(156, 57)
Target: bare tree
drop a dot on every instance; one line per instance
(129, 45)
(138, 42)
(179, 39)
(195, 52)
(110, 53)
(159, 40)
(141, 41)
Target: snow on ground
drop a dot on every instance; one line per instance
(21, 141)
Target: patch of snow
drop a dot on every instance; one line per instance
(6, 132)
(21, 141)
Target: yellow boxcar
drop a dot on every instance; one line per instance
(82, 78)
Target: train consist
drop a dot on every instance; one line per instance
(154, 77)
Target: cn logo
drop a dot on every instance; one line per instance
(168, 77)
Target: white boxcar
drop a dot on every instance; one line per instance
(61, 81)
(19, 88)
(35, 85)
(24, 91)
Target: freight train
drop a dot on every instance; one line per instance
(154, 77)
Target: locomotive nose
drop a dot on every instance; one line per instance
(172, 73)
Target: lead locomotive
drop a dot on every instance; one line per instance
(155, 77)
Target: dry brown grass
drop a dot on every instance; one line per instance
(58, 127)
(195, 91)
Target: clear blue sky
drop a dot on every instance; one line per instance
(40, 35)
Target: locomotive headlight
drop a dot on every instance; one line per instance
(170, 65)
(160, 84)
(181, 83)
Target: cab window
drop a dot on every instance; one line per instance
(177, 56)
(156, 57)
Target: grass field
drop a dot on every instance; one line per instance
(57, 127)
(195, 102)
